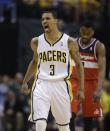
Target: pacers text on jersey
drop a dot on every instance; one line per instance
(53, 56)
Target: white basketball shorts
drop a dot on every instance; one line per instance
(54, 94)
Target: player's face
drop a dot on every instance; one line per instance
(49, 23)
(86, 34)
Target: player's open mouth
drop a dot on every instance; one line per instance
(46, 27)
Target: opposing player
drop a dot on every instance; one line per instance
(51, 67)
(93, 57)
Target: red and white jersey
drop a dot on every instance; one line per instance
(89, 60)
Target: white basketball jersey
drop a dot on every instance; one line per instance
(54, 60)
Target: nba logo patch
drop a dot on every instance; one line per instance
(61, 43)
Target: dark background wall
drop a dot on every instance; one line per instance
(8, 48)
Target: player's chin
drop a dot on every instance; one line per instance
(46, 30)
(85, 41)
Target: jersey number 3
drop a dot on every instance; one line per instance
(52, 72)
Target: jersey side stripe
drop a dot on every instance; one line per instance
(69, 89)
(31, 101)
(69, 68)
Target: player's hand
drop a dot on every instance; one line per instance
(25, 89)
(80, 95)
(96, 95)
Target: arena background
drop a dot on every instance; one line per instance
(19, 22)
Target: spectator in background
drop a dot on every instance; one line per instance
(8, 4)
(4, 88)
(15, 86)
(45, 4)
(9, 111)
(29, 2)
(91, 9)
(3, 92)
(28, 9)
(15, 112)
(65, 11)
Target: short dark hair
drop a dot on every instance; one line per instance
(54, 14)
(88, 24)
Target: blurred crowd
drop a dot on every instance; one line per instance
(70, 11)
(15, 107)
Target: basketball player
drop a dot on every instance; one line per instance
(51, 67)
(93, 57)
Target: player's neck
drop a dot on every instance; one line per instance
(53, 36)
(53, 33)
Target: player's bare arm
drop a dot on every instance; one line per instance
(101, 56)
(74, 52)
(32, 68)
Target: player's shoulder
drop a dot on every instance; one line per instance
(41, 35)
(72, 44)
(100, 47)
(34, 43)
(71, 39)
(34, 39)
(99, 44)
